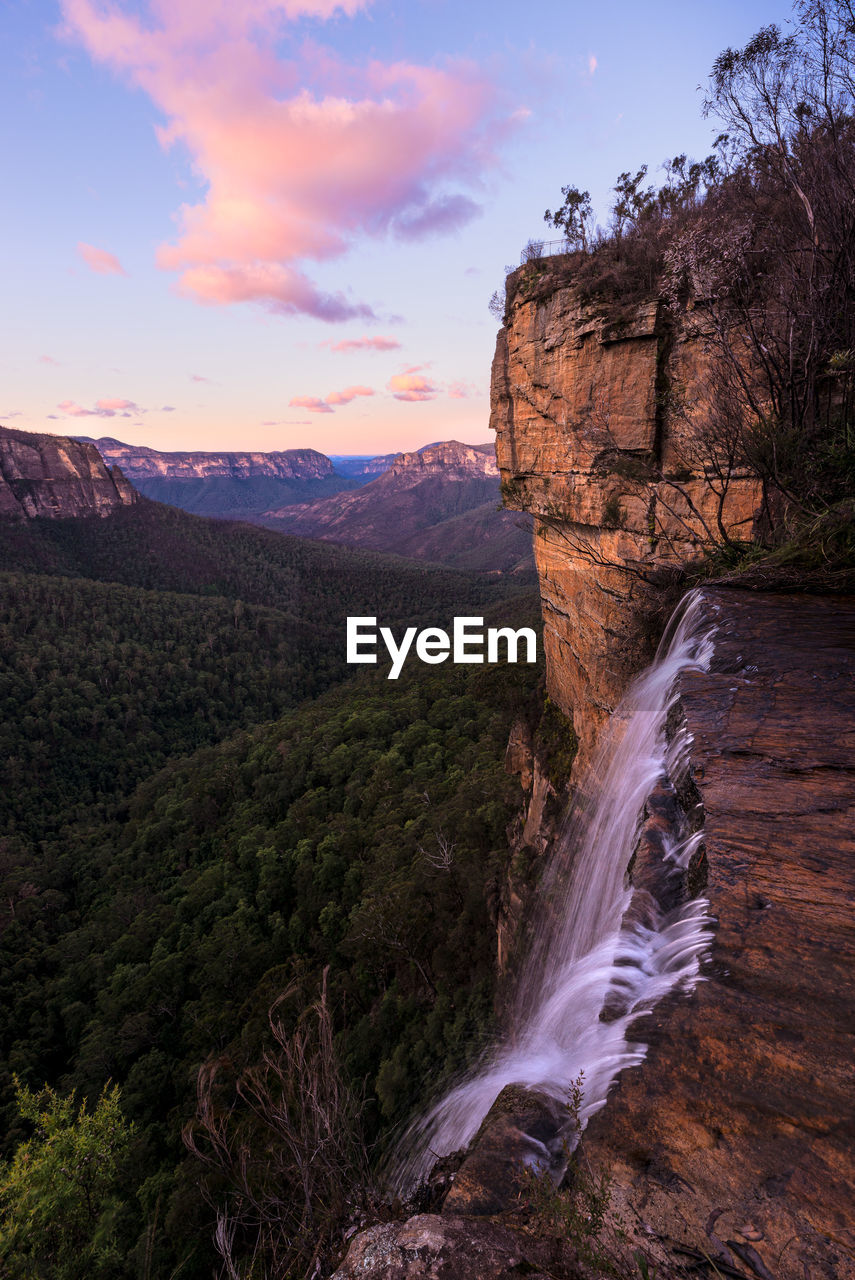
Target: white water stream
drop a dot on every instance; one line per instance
(587, 953)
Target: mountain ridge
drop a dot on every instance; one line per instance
(141, 462)
(423, 507)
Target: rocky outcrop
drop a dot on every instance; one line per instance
(55, 476)
(434, 1247)
(138, 462)
(736, 1136)
(732, 1145)
(449, 457)
(597, 434)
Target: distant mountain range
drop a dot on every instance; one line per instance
(438, 504)
(229, 485)
(362, 465)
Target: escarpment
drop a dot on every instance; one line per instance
(57, 477)
(733, 1139)
(142, 463)
(599, 435)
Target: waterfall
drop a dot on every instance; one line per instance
(605, 951)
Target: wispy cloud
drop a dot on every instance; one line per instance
(348, 394)
(461, 390)
(100, 260)
(105, 408)
(48, 360)
(312, 403)
(412, 387)
(329, 403)
(301, 159)
(377, 343)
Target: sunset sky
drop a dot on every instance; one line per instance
(264, 224)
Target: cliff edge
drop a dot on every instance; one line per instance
(598, 419)
(57, 477)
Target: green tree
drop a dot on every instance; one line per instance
(59, 1195)
(574, 218)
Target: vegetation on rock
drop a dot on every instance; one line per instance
(751, 250)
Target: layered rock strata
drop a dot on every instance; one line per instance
(142, 463)
(598, 427)
(55, 477)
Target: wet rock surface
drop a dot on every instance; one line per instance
(430, 1247)
(736, 1136)
(523, 1130)
(731, 1148)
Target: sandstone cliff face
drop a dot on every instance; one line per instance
(467, 460)
(138, 462)
(735, 1137)
(596, 426)
(55, 476)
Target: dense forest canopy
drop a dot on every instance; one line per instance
(357, 836)
(188, 831)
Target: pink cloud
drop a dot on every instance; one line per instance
(334, 398)
(48, 360)
(107, 408)
(349, 393)
(366, 344)
(99, 260)
(460, 390)
(282, 289)
(116, 406)
(198, 377)
(300, 159)
(312, 403)
(411, 386)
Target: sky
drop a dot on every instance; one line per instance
(273, 224)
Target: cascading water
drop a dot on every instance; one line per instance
(605, 952)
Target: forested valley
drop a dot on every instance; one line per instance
(204, 816)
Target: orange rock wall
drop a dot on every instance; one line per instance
(597, 434)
